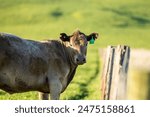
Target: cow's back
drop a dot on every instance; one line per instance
(18, 45)
(14, 50)
(8, 49)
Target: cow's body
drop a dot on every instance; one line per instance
(27, 65)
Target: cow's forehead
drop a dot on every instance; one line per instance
(79, 35)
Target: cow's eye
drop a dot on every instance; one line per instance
(81, 42)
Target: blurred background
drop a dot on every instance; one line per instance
(125, 22)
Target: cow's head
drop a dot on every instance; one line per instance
(77, 42)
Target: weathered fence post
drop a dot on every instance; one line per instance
(114, 74)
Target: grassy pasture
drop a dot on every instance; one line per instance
(117, 22)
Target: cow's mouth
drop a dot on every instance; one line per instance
(80, 62)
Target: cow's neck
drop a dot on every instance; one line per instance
(69, 54)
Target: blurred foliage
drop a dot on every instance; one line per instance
(138, 86)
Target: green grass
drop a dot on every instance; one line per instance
(117, 22)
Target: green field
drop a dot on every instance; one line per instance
(117, 22)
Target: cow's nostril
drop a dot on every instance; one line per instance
(80, 60)
(84, 60)
(77, 60)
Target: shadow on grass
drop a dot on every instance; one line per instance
(83, 86)
(2, 92)
(57, 13)
(141, 21)
(83, 92)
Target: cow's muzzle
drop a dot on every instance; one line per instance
(80, 59)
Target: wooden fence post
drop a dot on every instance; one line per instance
(114, 74)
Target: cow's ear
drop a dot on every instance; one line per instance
(92, 36)
(64, 37)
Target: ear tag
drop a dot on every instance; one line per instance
(92, 41)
